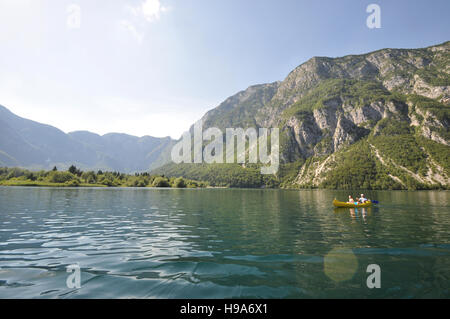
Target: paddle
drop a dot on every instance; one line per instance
(375, 202)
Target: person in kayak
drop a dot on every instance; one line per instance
(362, 199)
(350, 199)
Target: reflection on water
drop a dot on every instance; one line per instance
(220, 243)
(356, 213)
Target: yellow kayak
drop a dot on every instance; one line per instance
(337, 203)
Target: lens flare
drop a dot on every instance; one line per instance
(340, 264)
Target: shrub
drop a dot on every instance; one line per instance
(179, 183)
(60, 177)
(73, 183)
(161, 182)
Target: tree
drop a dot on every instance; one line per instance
(161, 182)
(179, 183)
(75, 171)
(54, 169)
(60, 177)
(89, 177)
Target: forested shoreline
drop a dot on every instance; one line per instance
(74, 177)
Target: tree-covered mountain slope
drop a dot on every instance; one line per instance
(377, 121)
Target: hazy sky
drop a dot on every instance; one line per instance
(153, 67)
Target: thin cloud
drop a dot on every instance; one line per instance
(139, 36)
(147, 11)
(152, 10)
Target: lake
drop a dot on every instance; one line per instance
(221, 243)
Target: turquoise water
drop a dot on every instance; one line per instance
(221, 243)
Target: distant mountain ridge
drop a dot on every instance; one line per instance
(29, 144)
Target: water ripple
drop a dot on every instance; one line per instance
(217, 243)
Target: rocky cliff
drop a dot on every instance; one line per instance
(388, 108)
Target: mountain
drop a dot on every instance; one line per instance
(28, 144)
(375, 121)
